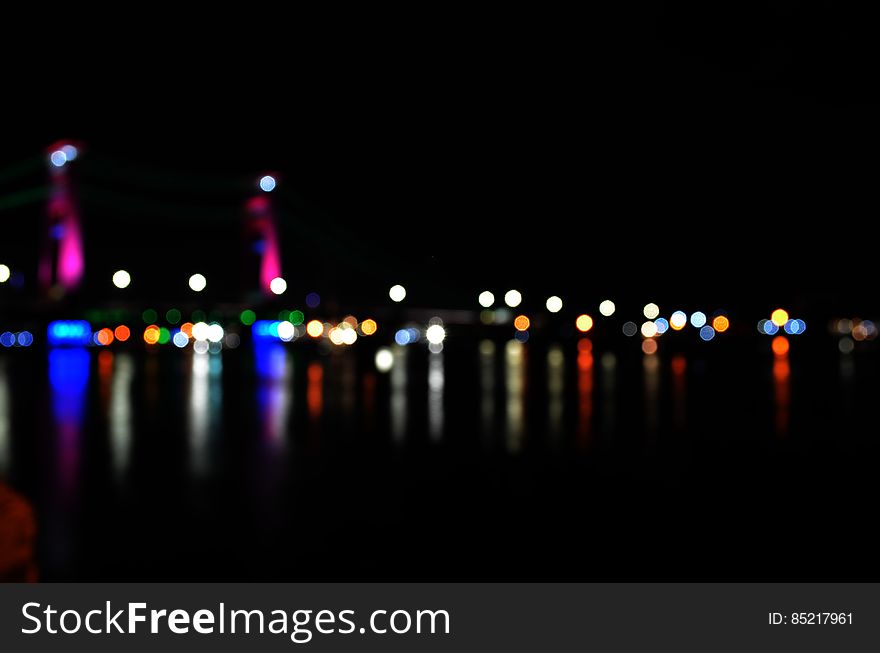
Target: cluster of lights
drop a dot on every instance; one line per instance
(435, 334)
(20, 339)
(62, 155)
(852, 331)
(779, 319)
(656, 326)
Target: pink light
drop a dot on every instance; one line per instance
(262, 224)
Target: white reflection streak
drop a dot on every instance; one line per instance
(204, 406)
(487, 386)
(121, 413)
(651, 366)
(555, 387)
(436, 382)
(398, 394)
(515, 383)
(5, 421)
(609, 382)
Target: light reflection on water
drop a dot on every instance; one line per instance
(69, 378)
(555, 389)
(274, 395)
(515, 383)
(204, 410)
(399, 376)
(120, 415)
(487, 390)
(436, 381)
(5, 421)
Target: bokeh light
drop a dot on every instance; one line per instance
(5, 273)
(779, 317)
(769, 328)
(513, 298)
(286, 331)
(25, 339)
(780, 345)
(315, 328)
(651, 311)
(846, 345)
(7, 339)
(104, 337)
(267, 183)
(521, 323)
(278, 286)
(369, 327)
(678, 320)
(172, 316)
(435, 334)
(247, 317)
(151, 334)
(583, 323)
(649, 346)
(486, 299)
(58, 158)
(662, 325)
(630, 329)
(197, 282)
(649, 329)
(707, 333)
(554, 304)
(180, 340)
(214, 333)
(200, 331)
(122, 333)
(70, 152)
(384, 360)
(607, 308)
(720, 323)
(397, 293)
(313, 300)
(121, 279)
(698, 319)
(187, 329)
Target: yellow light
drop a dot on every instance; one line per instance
(721, 323)
(369, 327)
(779, 317)
(315, 328)
(584, 323)
(521, 323)
(151, 334)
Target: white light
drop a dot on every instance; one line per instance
(649, 329)
(58, 158)
(397, 293)
(651, 311)
(197, 282)
(286, 331)
(435, 334)
(698, 319)
(70, 152)
(336, 336)
(267, 183)
(678, 320)
(5, 272)
(554, 304)
(486, 299)
(384, 360)
(278, 285)
(607, 308)
(121, 279)
(180, 339)
(513, 298)
(201, 346)
(200, 331)
(215, 332)
(349, 336)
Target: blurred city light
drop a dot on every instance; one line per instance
(698, 319)
(122, 333)
(121, 279)
(278, 286)
(69, 332)
(5, 273)
(554, 304)
(779, 317)
(720, 323)
(513, 298)
(267, 183)
(630, 329)
(315, 328)
(651, 311)
(384, 360)
(662, 325)
(369, 327)
(583, 323)
(435, 334)
(197, 282)
(780, 345)
(521, 323)
(397, 293)
(486, 299)
(678, 320)
(707, 333)
(607, 308)
(649, 329)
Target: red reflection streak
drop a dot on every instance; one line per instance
(782, 393)
(679, 367)
(105, 376)
(369, 399)
(315, 391)
(585, 391)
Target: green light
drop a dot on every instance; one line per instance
(247, 317)
(164, 335)
(198, 316)
(296, 318)
(173, 316)
(283, 315)
(150, 316)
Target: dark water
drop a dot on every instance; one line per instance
(490, 460)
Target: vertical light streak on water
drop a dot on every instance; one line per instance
(585, 391)
(514, 383)
(651, 367)
(609, 392)
(5, 421)
(274, 396)
(555, 391)
(436, 381)
(399, 379)
(120, 414)
(487, 388)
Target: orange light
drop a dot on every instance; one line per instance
(187, 329)
(584, 323)
(720, 324)
(151, 334)
(649, 346)
(521, 323)
(779, 317)
(122, 333)
(369, 327)
(679, 365)
(351, 320)
(315, 328)
(105, 337)
(780, 345)
(585, 345)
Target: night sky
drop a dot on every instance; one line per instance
(672, 153)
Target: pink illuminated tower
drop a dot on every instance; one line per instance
(62, 262)
(262, 231)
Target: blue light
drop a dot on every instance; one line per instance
(707, 333)
(69, 332)
(792, 327)
(522, 336)
(180, 340)
(662, 324)
(402, 337)
(761, 324)
(802, 326)
(70, 152)
(698, 319)
(414, 335)
(270, 359)
(25, 339)
(265, 330)
(770, 328)
(7, 339)
(58, 158)
(267, 183)
(313, 300)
